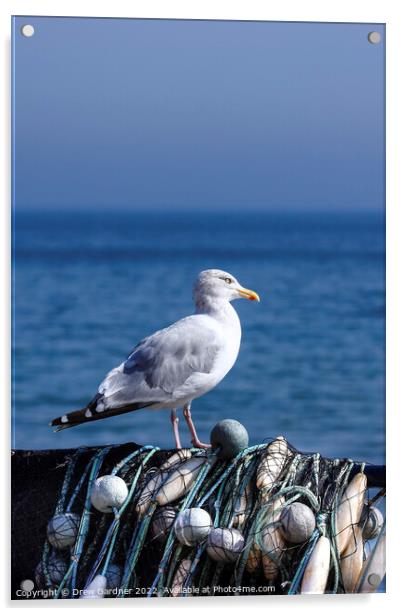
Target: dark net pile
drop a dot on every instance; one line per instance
(193, 524)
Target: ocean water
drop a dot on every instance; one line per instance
(88, 287)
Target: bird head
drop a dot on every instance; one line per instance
(217, 284)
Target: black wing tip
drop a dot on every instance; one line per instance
(74, 418)
(87, 414)
(60, 428)
(54, 424)
(60, 423)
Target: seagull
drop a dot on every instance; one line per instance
(175, 365)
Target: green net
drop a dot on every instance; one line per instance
(271, 521)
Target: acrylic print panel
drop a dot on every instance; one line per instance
(144, 153)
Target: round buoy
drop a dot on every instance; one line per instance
(96, 589)
(56, 567)
(371, 522)
(162, 521)
(113, 576)
(192, 526)
(229, 437)
(297, 523)
(224, 544)
(62, 530)
(108, 491)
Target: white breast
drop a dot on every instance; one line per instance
(227, 356)
(228, 329)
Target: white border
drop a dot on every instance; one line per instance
(384, 11)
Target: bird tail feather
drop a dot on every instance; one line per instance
(89, 413)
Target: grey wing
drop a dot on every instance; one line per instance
(169, 357)
(160, 364)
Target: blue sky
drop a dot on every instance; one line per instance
(167, 114)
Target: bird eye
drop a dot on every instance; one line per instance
(228, 280)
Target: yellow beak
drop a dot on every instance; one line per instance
(248, 294)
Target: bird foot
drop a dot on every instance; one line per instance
(197, 443)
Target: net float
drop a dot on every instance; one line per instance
(152, 486)
(180, 577)
(271, 541)
(181, 479)
(315, 576)
(162, 522)
(56, 569)
(272, 463)
(96, 589)
(108, 492)
(352, 560)
(240, 508)
(192, 526)
(371, 522)
(228, 438)
(224, 544)
(297, 522)
(350, 510)
(114, 574)
(62, 530)
(179, 456)
(374, 568)
(254, 560)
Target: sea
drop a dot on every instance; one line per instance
(89, 285)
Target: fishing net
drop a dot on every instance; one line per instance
(281, 522)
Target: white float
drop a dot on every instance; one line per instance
(108, 492)
(315, 577)
(192, 526)
(350, 510)
(225, 544)
(62, 530)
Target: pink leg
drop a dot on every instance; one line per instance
(194, 438)
(175, 423)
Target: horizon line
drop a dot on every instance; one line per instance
(198, 210)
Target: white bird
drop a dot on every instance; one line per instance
(175, 365)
